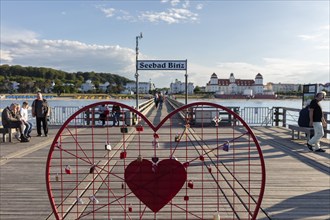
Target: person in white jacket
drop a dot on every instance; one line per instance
(25, 119)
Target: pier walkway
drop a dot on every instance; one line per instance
(297, 180)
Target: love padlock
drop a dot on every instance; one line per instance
(139, 128)
(123, 154)
(139, 158)
(177, 137)
(191, 184)
(92, 169)
(68, 169)
(226, 146)
(107, 146)
(216, 216)
(209, 169)
(124, 130)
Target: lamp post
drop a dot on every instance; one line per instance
(136, 70)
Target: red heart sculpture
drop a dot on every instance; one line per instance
(155, 186)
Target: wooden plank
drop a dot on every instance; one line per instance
(297, 180)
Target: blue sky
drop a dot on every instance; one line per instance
(285, 41)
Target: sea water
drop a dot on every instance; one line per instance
(288, 103)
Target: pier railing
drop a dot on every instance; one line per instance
(253, 116)
(264, 116)
(284, 117)
(59, 114)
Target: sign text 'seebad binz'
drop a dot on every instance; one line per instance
(162, 65)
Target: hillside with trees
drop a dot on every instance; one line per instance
(32, 79)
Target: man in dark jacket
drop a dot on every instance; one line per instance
(9, 120)
(41, 111)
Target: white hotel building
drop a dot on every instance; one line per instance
(235, 86)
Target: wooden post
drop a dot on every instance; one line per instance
(284, 118)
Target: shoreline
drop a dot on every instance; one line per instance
(127, 98)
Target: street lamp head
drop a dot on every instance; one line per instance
(140, 35)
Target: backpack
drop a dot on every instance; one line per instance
(303, 120)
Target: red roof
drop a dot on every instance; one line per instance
(239, 82)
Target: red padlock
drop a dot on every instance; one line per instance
(139, 128)
(201, 157)
(186, 164)
(186, 198)
(191, 184)
(123, 154)
(210, 169)
(68, 169)
(156, 135)
(130, 209)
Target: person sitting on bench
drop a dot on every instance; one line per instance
(9, 120)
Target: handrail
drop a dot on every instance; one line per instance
(256, 116)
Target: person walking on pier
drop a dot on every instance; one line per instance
(317, 121)
(156, 99)
(41, 111)
(115, 114)
(161, 100)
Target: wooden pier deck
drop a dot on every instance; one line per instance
(297, 180)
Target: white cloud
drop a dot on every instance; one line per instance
(177, 14)
(186, 4)
(109, 12)
(67, 55)
(6, 56)
(199, 7)
(319, 38)
(27, 49)
(175, 2)
(173, 15)
(278, 70)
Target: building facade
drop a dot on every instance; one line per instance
(283, 87)
(235, 86)
(179, 87)
(144, 87)
(87, 86)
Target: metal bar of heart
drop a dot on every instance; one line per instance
(202, 145)
(84, 187)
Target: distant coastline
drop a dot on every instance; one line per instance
(54, 96)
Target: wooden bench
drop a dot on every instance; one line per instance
(5, 131)
(306, 130)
